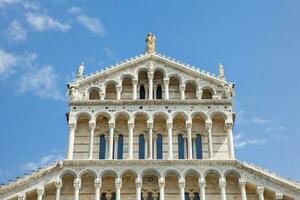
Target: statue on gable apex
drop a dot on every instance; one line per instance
(221, 72)
(150, 39)
(80, 71)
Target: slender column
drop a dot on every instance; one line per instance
(222, 185)
(242, 184)
(40, 192)
(111, 140)
(166, 84)
(138, 184)
(77, 186)
(278, 196)
(71, 141)
(116, 137)
(22, 196)
(119, 90)
(208, 125)
(260, 192)
(92, 131)
(145, 196)
(118, 184)
(102, 95)
(161, 183)
(182, 90)
(108, 196)
(150, 129)
(130, 140)
(58, 185)
(191, 196)
(190, 144)
(170, 143)
(150, 80)
(229, 126)
(97, 184)
(202, 185)
(134, 88)
(106, 146)
(199, 94)
(181, 188)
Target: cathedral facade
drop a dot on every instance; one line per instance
(151, 128)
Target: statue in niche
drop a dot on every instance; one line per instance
(150, 39)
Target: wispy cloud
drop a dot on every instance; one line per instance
(43, 22)
(8, 62)
(93, 24)
(109, 52)
(32, 5)
(260, 120)
(74, 10)
(43, 161)
(42, 82)
(15, 32)
(240, 141)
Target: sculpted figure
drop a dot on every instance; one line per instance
(150, 39)
(228, 91)
(80, 71)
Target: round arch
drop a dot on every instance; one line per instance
(88, 171)
(108, 172)
(160, 113)
(231, 171)
(218, 113)
(150, 170)
(212, 171)
(119, 113)
(200, 113)
(142, 113)
(103, 113)
(80, 114)
(172, 171)
(178, 76)
(68, 172)
(191, 171)
(184, 114)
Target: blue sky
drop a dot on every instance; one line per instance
(43, 42)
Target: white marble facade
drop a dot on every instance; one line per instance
(151, 128)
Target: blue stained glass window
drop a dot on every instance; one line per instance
(196, 197)
(186, 196)
(180, 146)
(141, 147)
(158, 92)
(120, 147)
(159, 146)
(198, 147)
(102, 147)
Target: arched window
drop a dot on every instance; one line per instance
(141, 147)
(196, 197)
(198, 146)
(102, 147)
(94, 94)
(206, 94)
(120, 147)
(158, 92)
(142, 92)
(159, 146)
(180, 146)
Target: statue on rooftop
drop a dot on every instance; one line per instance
(80, 71)
(150, 39)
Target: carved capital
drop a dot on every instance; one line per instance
(278, 196)
(199, 94)
(118, 183)
(228, 125)
(130, 125)
(102, 95)
(92, 125)
(58, 183)
(260, 190)
(72, 126)
(77, 183)
(181, 183)
(21, 196)
(242, 183)
(111, 125)
(191, 196)
(138, 182)
(108, 196)
(188, 125)
(169, 125)
(208, 125)
(222, 182)
(150, 74)
(134, 81)
(150, 125)
(97, 183)
(40, 190)
(166, 81)
(202, 182)
(182, 87)
(119, 88)
(161, 182)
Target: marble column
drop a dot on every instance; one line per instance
(22, 196)
(229, 127)
(181, 188)
(97, 184)
(170, 143)
(118, 183)
(138, 184)
(166, 84)
(58, 185)
(77, 186)
(278, 196)
(161, 183)
(222, 185)
(134, 89)
(202, 184)
(102, 95)
(71, 141)
(182, 90)
(92, 131)
(208, 126)
(189, 138)
(119, 91)
(130, 140)
(242, 184)
(111, 140)
(150, 131)
(150, 81)
(260, 192)
(40, 192)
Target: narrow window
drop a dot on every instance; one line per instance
(141, 147)
(142, 92)
(158, 92)
(103, 196)
(186, 196)
(120, 147)
(113, 196)
(198, 147)
(180, 146)
(196, 196)
(102, 147)
(159, 146)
